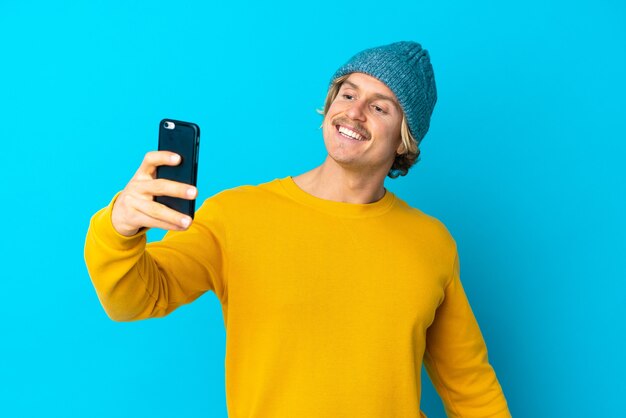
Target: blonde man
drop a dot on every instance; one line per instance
(333, 289)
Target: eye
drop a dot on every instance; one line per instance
(379, 109)
(347, 96)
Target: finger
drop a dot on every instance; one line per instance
(153, 159)
(150, 222)
(164, 187)
(159, 212)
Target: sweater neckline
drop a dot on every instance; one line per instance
(332, 207)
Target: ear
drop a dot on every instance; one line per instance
(401, 149)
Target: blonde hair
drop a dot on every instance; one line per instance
(403, 161)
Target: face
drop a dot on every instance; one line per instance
(362, 125)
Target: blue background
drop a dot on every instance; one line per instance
(523, 163)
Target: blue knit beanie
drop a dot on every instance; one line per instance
(405, 68)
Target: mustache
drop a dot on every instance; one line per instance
(340, 120)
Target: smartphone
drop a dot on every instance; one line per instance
(183, 138)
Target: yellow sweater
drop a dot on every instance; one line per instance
(329, 307)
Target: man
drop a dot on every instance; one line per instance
(333, 289)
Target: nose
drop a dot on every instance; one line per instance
(356, 111)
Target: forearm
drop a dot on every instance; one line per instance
(126, 278)
(456, 359)
(135, 280)
(471, 392)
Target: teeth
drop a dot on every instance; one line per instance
(351, 133)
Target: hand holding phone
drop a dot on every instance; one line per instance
(136, 206)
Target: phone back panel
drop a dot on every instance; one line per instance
(184, 140)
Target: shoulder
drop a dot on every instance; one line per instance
(416, 221)
(245, 200)
(245, 192)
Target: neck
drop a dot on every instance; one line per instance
(331, 181)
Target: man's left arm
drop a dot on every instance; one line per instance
(456, 358)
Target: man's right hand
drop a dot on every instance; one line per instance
(135, 207)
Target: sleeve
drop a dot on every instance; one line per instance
(456, 359)
(135, 280)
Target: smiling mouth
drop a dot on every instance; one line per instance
(349, 133)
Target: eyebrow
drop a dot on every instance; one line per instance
(376, 95)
